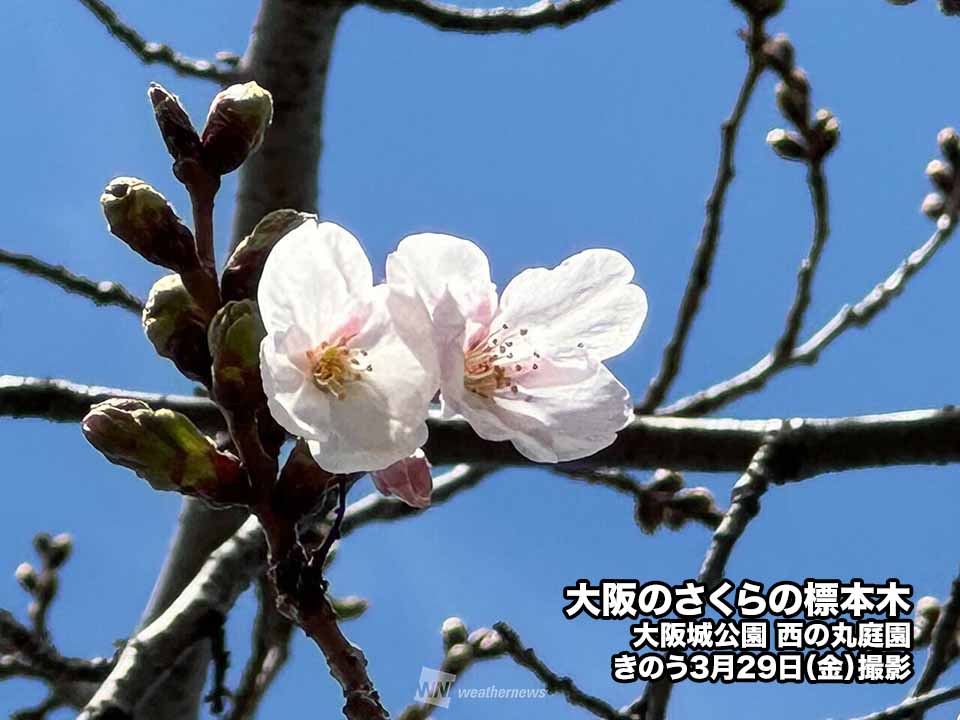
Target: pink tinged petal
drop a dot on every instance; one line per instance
(570, 411)
(300, 286)
(382, 416)
(347, 256)
(585, 303)
(433, 263)
(294, 401)
(408, 479)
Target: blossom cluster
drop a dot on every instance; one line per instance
(353, 367)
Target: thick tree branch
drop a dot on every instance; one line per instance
(699, 277)
(444, 16)
(102, 293)
(153, 52)
(210, 595)
(849, 316)
(526, 657)
(815, 446)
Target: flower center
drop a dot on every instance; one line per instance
(495, 362)
(334, 365)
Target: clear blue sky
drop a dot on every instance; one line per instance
(602, 134)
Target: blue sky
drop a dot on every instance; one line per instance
(602, 134)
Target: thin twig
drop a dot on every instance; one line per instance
(801, 302)
(102, 293)
(849, 316)
(542, 13)
(699, 277)
(915, 704)
(271, 647)
(32, 657)
(744, 506)
(153, 52)
(526, 657)
(942, 645)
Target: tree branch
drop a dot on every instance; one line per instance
(31, 657)
(706, 250)
(153, 52)
(815, 445)
(849, 316)
(915, 704)
(526, 657)
(543, 13)
(225, 575)
(744, 506)
(942, 646)
(102, 293)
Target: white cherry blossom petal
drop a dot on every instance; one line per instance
(299, 407)
(434, 263)
(585, 303)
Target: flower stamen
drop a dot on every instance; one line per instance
(334, 365)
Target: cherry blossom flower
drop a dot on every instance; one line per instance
(408, 479)
(528, 367)
(346, 365)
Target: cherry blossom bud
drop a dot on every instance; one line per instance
(794, 105)
(901, 2)
(490, 644)
(949, 141)
(175, 326)
(760, 8)
(927, 612)
(458, 658)
(950, 7)
(350, 607)
(934, 205)
(60, 548)
(241, 276)
(666, 481)
(238, 118)
(26, 576)
(453, 631)
(941, 175)
(778, 52)
(179, 135)
(788, 145)
(408, 479)
(144, 220)
(827, 128)
(649, 513)
(234, 341)
(165, 449)
(41, 543)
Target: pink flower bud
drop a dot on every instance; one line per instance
(408, 479)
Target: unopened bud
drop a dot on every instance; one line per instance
(927, 612)
(648, 512)
(408, 479)
(144, 220)
(666, 481)
(350, 607)
(490, 645)
(453, 631)
(165, 449)
(238, 118)
(695, 502)
(950, 7)
(760, 8)
(827, 128)
(457, 658)
(241, 276)
(179, 135)
(234, 341)
(793, 104)
(941, 175)
(41, 543)
(949, 141)
(934, 205)
(26, 576)
(778, 52)
(175, 326)
(788, 145)
(60, 548)
(901, 2)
